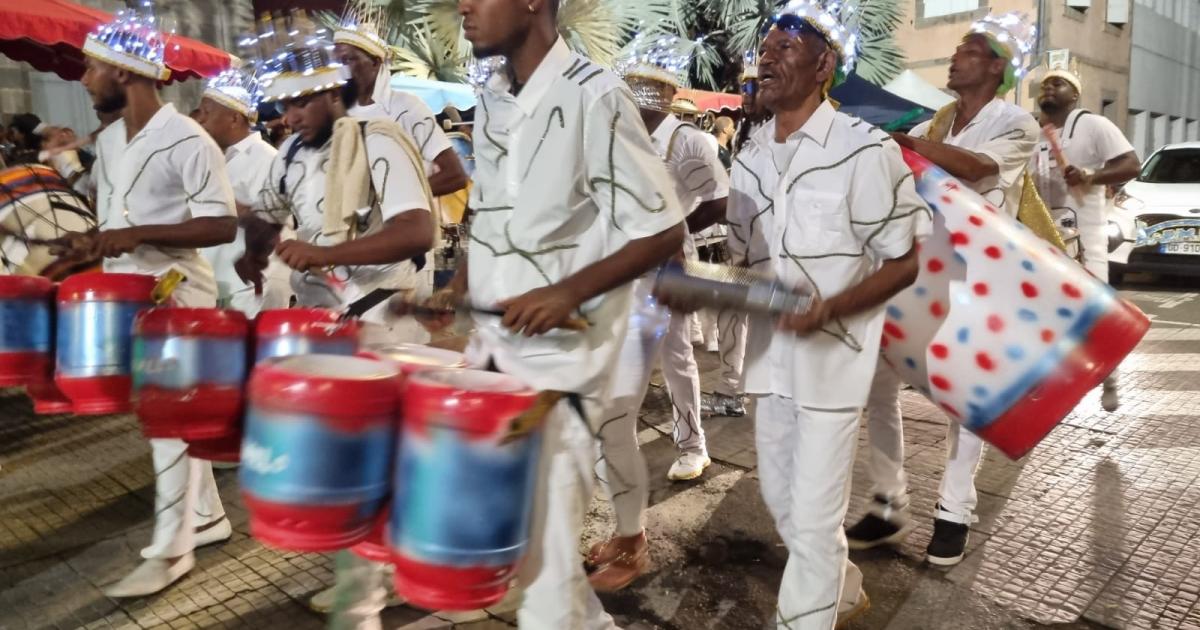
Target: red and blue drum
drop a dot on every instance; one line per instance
(464, 488)
(409, 358)
(1001, 329)
(318, 449)
(26, 327)
(282, 333)
(189, 366)
(95, 339)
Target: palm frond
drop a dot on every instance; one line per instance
(426, 57)
(880, 58)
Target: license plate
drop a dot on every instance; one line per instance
(1181, 248)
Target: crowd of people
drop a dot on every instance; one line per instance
(586, 179)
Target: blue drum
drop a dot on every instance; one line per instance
(95, 339)
(318, 449)
(465, 478)
(25, 328)
(462, 145)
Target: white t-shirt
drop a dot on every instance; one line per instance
(821, 212)
(169, 173)
(694, 166)
(1006, 134)
(415, 116)
(565, 176)
(1088, 141)
(302, 196)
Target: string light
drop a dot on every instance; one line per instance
(1015, 32)
(132, 41)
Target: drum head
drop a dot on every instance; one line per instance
(415, 355)
(472, 381)
(335, 367)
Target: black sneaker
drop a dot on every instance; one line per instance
(872, 531)
(949, 543)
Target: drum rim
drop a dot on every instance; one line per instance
(280, 322)
(25, 287)
(107, 287)
(191, 322)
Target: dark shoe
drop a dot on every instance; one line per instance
(613, 565)
(872, 531)
(949, 543)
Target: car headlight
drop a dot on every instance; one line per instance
(1115, 238)
(1128, 202)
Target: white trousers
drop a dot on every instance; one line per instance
(805, 458)
(885, 431)
(185, 497)
(732, 337)
(682, 376)
(557, 595)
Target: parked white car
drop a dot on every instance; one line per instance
(1155, 222)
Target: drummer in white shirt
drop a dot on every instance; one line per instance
(166, 195)
(227, 110)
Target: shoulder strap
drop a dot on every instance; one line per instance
(1079, 113)
(288, 158)
(674, 135)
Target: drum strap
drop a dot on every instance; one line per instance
(367, 302)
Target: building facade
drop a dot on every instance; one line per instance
(1164, 77)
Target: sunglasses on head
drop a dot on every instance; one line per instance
(791, 24)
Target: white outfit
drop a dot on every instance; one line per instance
(249, 165)
(169, 173)
(1007, 134)
(565, 176)
(1088, 141)
(298, 191)
(696, 170)
(821, 211)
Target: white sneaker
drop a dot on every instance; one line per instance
(1110, 399)
(712, 346)
(213, 533)
(689, 466)
(151, 576)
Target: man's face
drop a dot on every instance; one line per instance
(216, 119)
(494, 27)
(311, 116)
(1056, 95)
(103, 83)
(974, 63)
(790, 67)
(364, 68)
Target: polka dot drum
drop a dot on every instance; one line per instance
(1001, 330)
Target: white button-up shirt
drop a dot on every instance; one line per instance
(821, 211)
(301, 194)
(1006, 134)
(693, 164)
(169, 173)
(565, 176)
(249, 164)
(415, 116)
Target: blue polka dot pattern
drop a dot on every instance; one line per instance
(894, 313)
(1027, 315)
(1016, 353)
(1064, 313)
(1027, 265)
(912, 365)
(964, 335)
(921, 291)
(980, 391)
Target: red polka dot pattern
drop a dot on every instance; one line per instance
(1029, 290)
(992, 251)
(976, 221)
(959, 238)
(984, 361)
(995, 323)
(1071, 291)
(980, 288)
(1047, 335)
(939, 350)
(934, 265)
(936, 309)
(893, 330)
(940, 382)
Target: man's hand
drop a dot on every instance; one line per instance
(808, 322)
(442, 304)
(1076, 176)
(115, 243)
(72, 245)
(250, 269)
(540, 310)
(303, 256)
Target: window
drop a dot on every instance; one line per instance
(938, 8)
(1118, 12)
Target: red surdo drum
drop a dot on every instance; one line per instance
(95, 339)
(280, 333)
(409, 358)
(189, 366)
(318, 449)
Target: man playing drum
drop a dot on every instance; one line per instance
(571, 203)
(163, 194)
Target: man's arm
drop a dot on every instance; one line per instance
(961, 163)
(892, 277)
(543, 309)
(402, 237)
(1116, 171)
(191, 234)
(449, 176)
(707, 215)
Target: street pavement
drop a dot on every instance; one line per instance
(1096, 528)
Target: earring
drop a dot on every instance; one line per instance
(530, 6)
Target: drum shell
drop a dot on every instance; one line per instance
(409, 359)
(318, 450)
(95, 339)
(26, 328)
(464, 493)
(189, 367)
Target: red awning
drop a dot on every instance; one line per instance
(49, 35)
(711, 101)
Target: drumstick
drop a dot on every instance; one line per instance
(404, 307)
(1051, 134)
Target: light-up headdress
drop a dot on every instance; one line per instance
(652, 65)
(1012, 36)
(364, 25)
(302, 60)
(132, 41)
(837, 22)
(238, 88)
